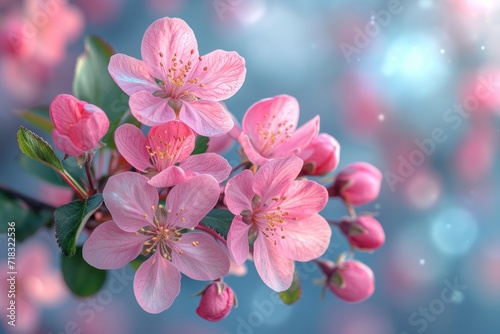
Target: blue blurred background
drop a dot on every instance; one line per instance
(411, 86)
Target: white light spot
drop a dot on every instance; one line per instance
(442, 51)
(422, 262)
(482, 47)
(381, 117)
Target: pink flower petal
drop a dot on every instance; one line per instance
(131, 74)
(275, 269)
(302, 137)
(168, 177)
(65, 144)
(150, 110)
(131, 144)
(222, 73)
(306, 239)
(171, 37)
(206, 117)
(274, 178)
(237, 240)
(63, 113)
(239, 192)
(156, 284)
(130, 200)
(271, 115)
(207, 163)
(201, 257)
(252, 154)
(171, 142)
(191, 200)
(304, 198)
(109, 247)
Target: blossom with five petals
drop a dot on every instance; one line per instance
(140, 225)
(174, 82)
(281, 215)
(269, 130)
(165, 154)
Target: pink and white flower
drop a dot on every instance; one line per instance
(281, 215)
(78, 126)
(165, 154)
(269, 130)
(174, 82)
(140, 225)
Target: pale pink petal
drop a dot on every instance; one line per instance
(206, 117)
(171, 37)
(191, 200)
(65, 144)
(156, 284)
(270, 116)
(132, 144)
(306, 239)
(252, 154)
(274, 178)
(150, 110)
(131, 74)
(239, 192)
(275, 269)
(130, 200)
(237, 240)
(304, 198)
(207, 163)
(168, 177)
(200, 257)
(222, 73)
(171, 142)
(302, 137)
(109, 247)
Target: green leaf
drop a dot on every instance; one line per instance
(39, 117)
(201, 145)
(27, 220)
(70, 219)
(294, 293)
(81, 278)
(136, 263)
(38, 149)
(219, 221)
(93, 83)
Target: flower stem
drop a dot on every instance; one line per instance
(89, 177)
(77, 188)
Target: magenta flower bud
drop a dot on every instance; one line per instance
(363, 232)
(321, 156)
(79, 126)
(216, 302)
(351, 281)
(357, 183)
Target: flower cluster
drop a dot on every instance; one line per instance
(162, 184)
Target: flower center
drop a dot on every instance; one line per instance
(163, 153)
(273, 133)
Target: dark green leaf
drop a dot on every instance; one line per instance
(82, 279)
(94, 84)
(38, 149)
(70, 219)
(27, 220)
(39, 117)
(219, 221)
(201, 145)
(294, 293)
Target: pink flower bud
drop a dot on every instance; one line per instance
(363, 232)
(351, 281)
(216, 302)
(79, 126)
(357, 183)
(321, 156)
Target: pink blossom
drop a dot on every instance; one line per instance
(321, 156)
(281, 215)
(350, 280)
(165, 154)
(216, 302)
(79, 126)
(141, 225)
(269, 130)
(174, 82)
(357, 183)
(363, 232)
